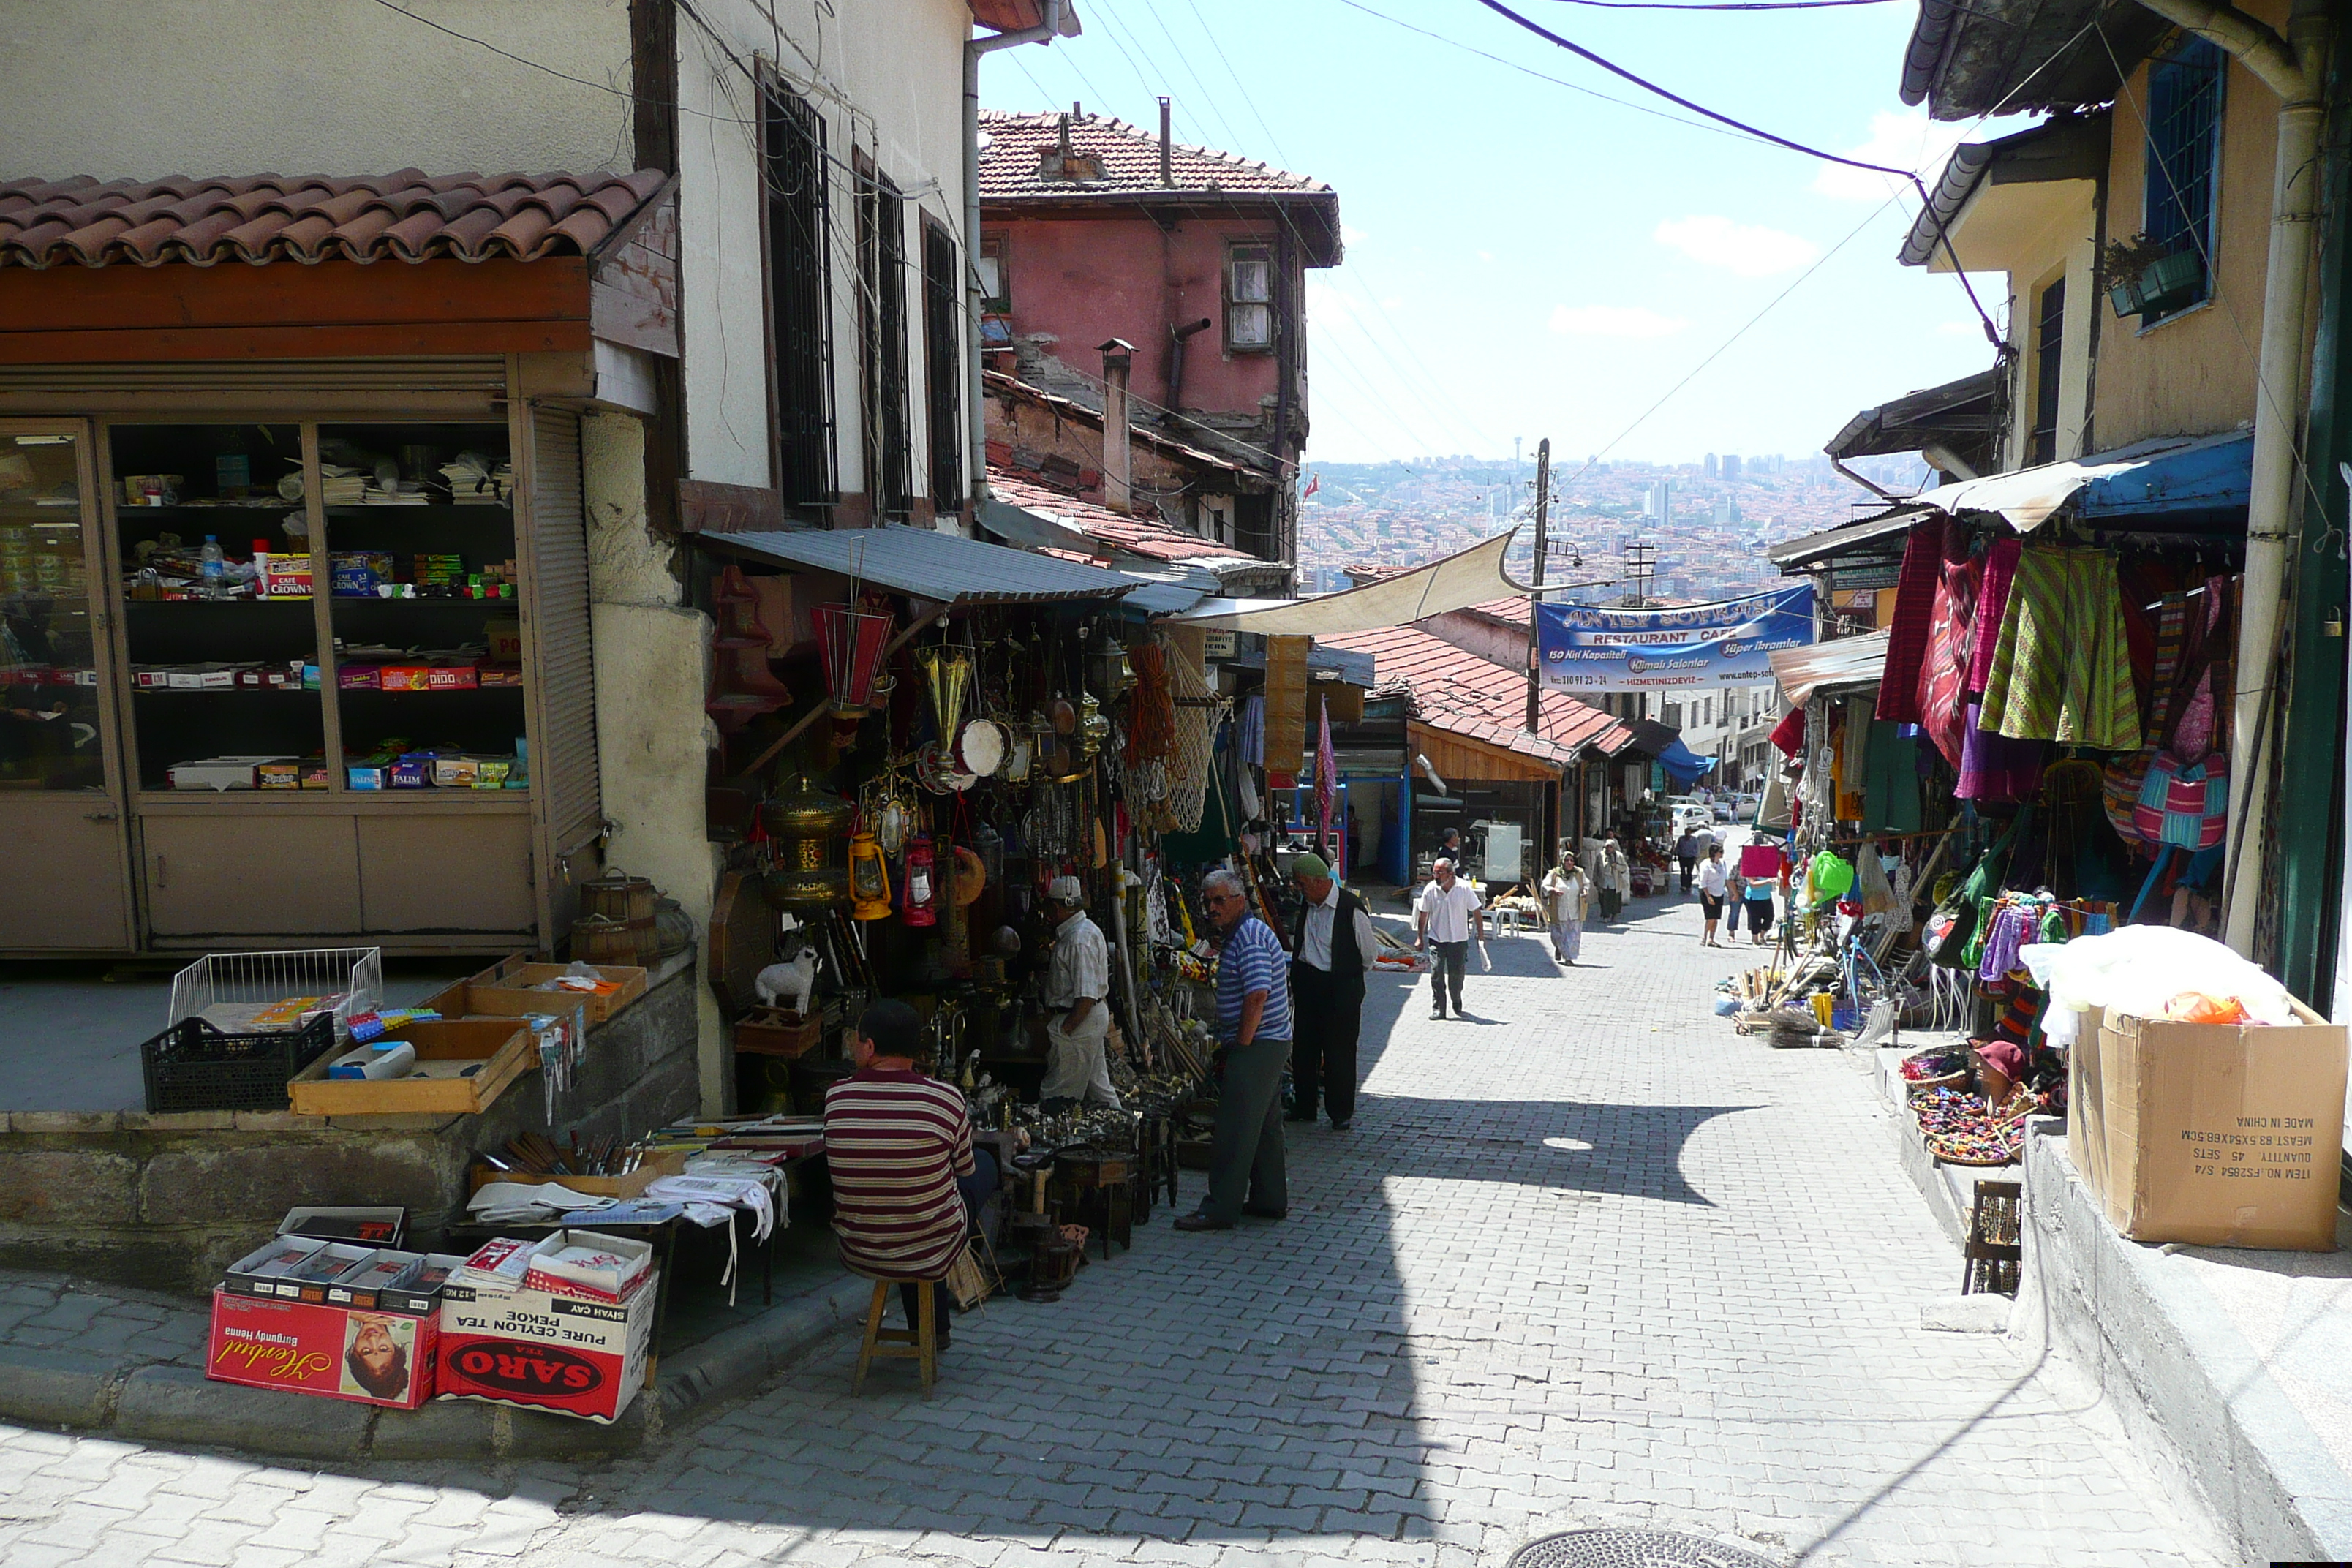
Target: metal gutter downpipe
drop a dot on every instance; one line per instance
(2290, 67)
(974, 49)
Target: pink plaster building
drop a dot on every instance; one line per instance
(1093, 230)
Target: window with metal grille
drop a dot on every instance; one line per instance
(798, 285)
(2049, 359)
(2184, 148)
(882, 312)
(943, 365)
(995, 284)
(1249, 298)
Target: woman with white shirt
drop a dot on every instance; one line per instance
(1566, 891)
(1714, 882)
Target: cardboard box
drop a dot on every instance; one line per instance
(508, 989)
(369, 1357)
(2087, 1115)
(2221, 1135)
(497, 1050)
(589, 1264)
(216, 773)
(373, 1226)
(545, 1351)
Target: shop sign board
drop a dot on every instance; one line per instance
(334, 1353)
(1681, 648)
(541, 1351)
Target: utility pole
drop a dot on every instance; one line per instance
(1535, 637)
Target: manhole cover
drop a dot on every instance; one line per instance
(1633, 1549)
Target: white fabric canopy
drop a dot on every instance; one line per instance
(1471, 577)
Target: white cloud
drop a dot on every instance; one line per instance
(1486, 255)
(1961, 330)
(1352, 234)
(1747, 249)
(1614, 321)
(1899, 138)
(1391, 302)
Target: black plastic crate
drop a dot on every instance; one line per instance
(193, 1065)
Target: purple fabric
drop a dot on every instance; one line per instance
(2009, 930)
(1992, 600)
(1994, 767)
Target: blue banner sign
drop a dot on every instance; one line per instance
(1587, 649)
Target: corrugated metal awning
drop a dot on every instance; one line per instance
(942, 566)
(1822, 666)
(1870, 541)
(2182, 479)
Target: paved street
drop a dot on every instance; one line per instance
(1586, 1257)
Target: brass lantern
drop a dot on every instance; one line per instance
(809, 867)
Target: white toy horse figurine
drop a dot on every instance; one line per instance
(796, 978)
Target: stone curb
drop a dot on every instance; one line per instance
(172, 1404)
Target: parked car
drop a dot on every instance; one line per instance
(1722, 804)
(1692, 816)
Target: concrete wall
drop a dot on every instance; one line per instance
(652, 672)
(141, 88)
(2194, 373)
(168, 1201)
(1081, 281)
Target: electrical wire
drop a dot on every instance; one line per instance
(1927, 202)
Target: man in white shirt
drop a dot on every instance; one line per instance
(1330, 954)
(1445, 919)
(1077, 992)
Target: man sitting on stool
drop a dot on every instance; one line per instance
(1078, 982)
(1330, 954)
(906, 1178)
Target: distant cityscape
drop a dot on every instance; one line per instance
(1710, 521)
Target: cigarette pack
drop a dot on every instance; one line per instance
(589, 1264)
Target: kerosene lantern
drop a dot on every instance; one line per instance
(919, 886)
(869, 879)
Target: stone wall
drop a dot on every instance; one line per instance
(166, 1201)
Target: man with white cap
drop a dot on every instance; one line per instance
(1077, 988)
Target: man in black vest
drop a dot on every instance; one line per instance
(1330, 952)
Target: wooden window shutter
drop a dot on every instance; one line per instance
(562, 683)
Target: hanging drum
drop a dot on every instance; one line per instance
(981, 748)
(811, 856)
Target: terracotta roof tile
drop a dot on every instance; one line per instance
(1146, 537)
(1008, 163)
(260, 218)
(1457, 692)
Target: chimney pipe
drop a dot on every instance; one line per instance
(1167, 150)
(1064, 139)
(1119, 356)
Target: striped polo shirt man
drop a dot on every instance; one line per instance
(895, 1143)
(1252, 960)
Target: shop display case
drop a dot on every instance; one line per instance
(279, 679)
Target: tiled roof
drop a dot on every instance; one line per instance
(1146, 537)
(1008, 163)
(1009, 384)
(404, 216)
(1462, 694)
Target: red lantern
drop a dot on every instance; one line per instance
(920, 884)
(851, 642)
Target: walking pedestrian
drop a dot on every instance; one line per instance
(1712, 885)
(1760, 910)
(1612, 877)
(1077, 992)
(1735, 895)
(1567, 891)
(1687, 850)
(1449, 915)
(1330, 954)
(1246, 1172)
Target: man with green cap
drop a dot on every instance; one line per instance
(1330, 952)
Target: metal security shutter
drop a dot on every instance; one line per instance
(434, 386)
(560, 674)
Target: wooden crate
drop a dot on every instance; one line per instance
(667, 1163)
(504, 1049)
(506, 990)
(777, 1032)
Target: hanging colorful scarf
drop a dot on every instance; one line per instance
(1943, 671)
(1916, 593)
(2063, 671)
(1992, 603)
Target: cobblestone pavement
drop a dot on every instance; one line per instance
(1588, 1258)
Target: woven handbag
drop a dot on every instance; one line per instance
(2185, 804)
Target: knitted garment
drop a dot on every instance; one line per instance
(1906, 638)
(2063, 671)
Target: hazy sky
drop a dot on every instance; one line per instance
(1526, 259)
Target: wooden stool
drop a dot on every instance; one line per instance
(920, 1343)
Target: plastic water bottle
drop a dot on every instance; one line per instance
(212, 566)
